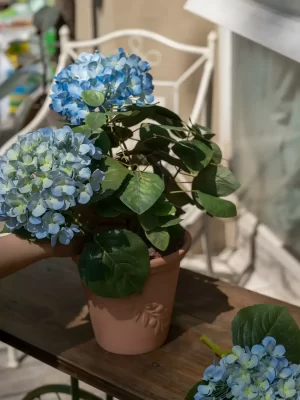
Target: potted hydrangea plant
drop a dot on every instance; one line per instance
(104, 177)
(263, 364)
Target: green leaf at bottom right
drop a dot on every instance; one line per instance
(214, 205)
(252, 324)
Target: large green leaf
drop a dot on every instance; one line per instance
(154, 137)
(163, 207)
(252, 324)
(194, 390)
(115, 264)
(93, 98)
(214, 205)
(216, 181)
(148, 220)
(170, 220)
(83, 129)
(167, 117)
(194, 154)
(217, 155)
(115, 173)
(160, 238)
(176, 162)
(209, 136)
(179, 199)
(95, 120)
(103, 142)
(205, 147)
(132, 120)
(111, 207)
(120, 134)
(142, 191)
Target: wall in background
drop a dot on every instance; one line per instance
(165, 17)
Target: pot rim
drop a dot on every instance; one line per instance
(171, 259)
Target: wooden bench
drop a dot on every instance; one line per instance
(43, 313)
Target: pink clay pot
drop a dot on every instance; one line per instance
(139, 323)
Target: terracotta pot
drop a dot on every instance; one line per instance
(139, 323)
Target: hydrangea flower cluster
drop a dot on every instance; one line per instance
(121, 78)
(261, 373)
(43, 174)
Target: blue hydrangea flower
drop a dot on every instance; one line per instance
(44, 174)
(213, 373)
(262, 373)
(122, 78)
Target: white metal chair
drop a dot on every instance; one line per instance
(201, 106)
(205, 60)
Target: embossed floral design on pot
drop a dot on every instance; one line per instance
(154, 315)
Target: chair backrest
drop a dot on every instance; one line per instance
(206, 60)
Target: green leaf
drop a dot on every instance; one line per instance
(216, 181)
(214, 205)
(205, 147)
(103, 142)
(195, 154)
(217, 155)
(112, 207)
(93, 98)
(95, 120)
(177, 199)
(160, 238)
(176, 162)
(167, 117)
(202, 128)
(115, 173)
(208, 136)
(123, 133)
(153, 136)
(175, 128)
(163, 207)
(4, 229)
(142, 191)
(84, 129)
(132, 120)
(194, 390)
(165, 222)
(121, 113)
(148, 220)
(115, 264)
(177, 233)
(252, 324)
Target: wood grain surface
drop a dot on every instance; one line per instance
(43, 313)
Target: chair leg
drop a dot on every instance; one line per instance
(206, 244)
(12, 359)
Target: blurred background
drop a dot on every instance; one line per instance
(233, 66)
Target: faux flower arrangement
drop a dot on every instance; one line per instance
(50, 177)
(264, 363)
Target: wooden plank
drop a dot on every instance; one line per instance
(43, 313)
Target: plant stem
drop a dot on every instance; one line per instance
(75, 219)
(186, 191)
(214, 347)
